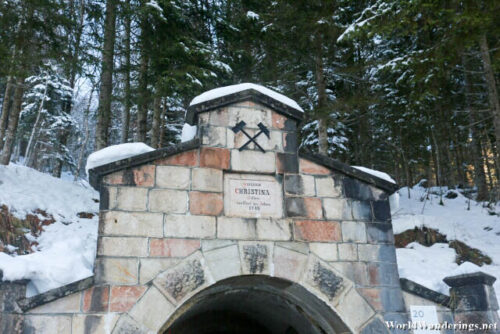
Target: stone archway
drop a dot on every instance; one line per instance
(255, 304)
(306, 293)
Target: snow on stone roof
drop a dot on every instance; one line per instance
(379, 174)
(223, 91)
(115, 153)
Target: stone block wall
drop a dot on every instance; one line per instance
(162, 212)
(165, 233)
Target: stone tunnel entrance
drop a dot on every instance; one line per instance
(255, 304)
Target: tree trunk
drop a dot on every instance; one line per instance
(63, 140)
(104, 109)
(479, 175)
(321, 111)
(6, 109)
(128, 97)
(10, 135)
(142, 112)
(438, 158)
(34, 131)
(86, 136)
(486, 147)
(492, 90)
(162, 123)
(155, 131)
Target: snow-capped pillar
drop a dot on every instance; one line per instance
(473, 301)
(253, 126)
(11, 319)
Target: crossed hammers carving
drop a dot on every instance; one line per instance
(263, 130)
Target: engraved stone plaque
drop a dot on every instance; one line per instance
(252, 196)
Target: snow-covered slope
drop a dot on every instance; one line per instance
(24, 190)
(66, 248)
(475, 227)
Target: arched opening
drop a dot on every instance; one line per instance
(255, 304)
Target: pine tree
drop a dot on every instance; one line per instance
(44, 118)
(106, 82)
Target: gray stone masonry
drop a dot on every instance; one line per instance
(11, 319)
(474, 301)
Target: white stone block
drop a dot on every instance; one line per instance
(131, 198)
(151, 267)
(325, 251)
(67, 304)
(208, 245)
(44, 324)
(207, 179)
(168, 201)
(152, 310)
(118, 271)
(172, 177)
(133, 224)
(348, 252)
(237, 140)
(325, 187)
(368, 252)
(214, 136)
(112, 197)
(273, 143)
(253, 161)
(334, 208)
(119, 246)
(223, 262)
(251, 115)
(288, 263)
(354, 231)
(354, 309)
(189, 226)
(274, 229)
(236, 228)
(98, 324)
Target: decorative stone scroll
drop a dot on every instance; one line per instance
(252, 196)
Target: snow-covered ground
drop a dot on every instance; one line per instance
(66, 248)
(429, 265)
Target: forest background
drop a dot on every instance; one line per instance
(406, 87)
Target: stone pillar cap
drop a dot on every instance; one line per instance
(469, 279)
(224, 96)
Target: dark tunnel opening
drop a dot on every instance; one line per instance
(255, 304)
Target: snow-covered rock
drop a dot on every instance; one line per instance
(115, 153)
(188, 132)
(475, 227)
(223, 91)
(66, 249)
